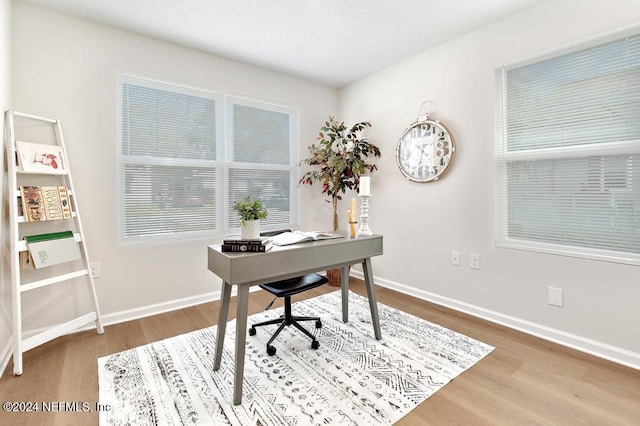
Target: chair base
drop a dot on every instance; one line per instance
(286, 320)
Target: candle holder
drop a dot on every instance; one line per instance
(364, 215)
(352, 229)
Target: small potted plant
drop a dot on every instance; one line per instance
(251, 211)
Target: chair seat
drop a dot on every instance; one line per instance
(295, 285)
(287, 288)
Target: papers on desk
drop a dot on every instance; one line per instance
(295, 237)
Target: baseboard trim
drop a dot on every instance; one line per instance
(125, 316)
(592, 347)
(573, 341)
(161, 308)
(156, 309)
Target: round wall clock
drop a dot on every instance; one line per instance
(425, 151)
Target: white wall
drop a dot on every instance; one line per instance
(5, 101)
(423, 223)
(66, 68)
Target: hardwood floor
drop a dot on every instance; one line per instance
(525, 380)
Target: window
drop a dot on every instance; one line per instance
(186, 154)
(568, 152)
(261, 159)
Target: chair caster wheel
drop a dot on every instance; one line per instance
(315, 344)
(318, 324)
(252, 331)
(271, 351)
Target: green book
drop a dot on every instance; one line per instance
(47, 237)
(53, 249)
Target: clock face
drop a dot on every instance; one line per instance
(425, 151)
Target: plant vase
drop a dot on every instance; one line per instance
(335, 277)
(250, 230)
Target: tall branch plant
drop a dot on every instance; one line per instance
(339, 159)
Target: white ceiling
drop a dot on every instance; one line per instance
(334, 42)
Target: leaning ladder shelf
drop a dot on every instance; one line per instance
(17, 245)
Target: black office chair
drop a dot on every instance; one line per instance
(286, 289)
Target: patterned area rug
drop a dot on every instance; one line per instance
(352, 379)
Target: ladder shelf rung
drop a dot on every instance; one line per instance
(34, 117)
(19, 194)
(21, 245)
(22, 219)
(58, 331)
(53, 280)
(62, 174)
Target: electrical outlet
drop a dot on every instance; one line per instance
(94, 269)
(556, 297)
(455, 258)
(474, 261)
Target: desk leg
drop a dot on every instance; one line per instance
(223, 312)
(241, 340)
(371, 295)
(344, 283)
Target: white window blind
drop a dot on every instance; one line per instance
(187, 154)
(261, 159)
(568, 152)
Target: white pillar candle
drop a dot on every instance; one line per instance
(365, 185)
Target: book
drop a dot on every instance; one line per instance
(295, 237)
(41, 203)
(26, 262)
(52, 249)
(258, 241)
(257, 245)
(41, 158)
(48, 237)
(247, 248)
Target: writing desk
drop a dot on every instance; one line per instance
(245, 270)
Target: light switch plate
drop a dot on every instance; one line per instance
(556, 297)
(474, 261)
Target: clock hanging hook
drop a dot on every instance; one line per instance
(425, 109)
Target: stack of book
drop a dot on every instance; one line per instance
(247, 246)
